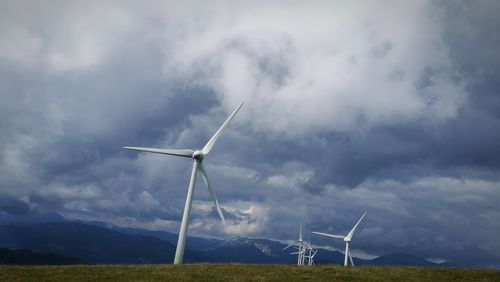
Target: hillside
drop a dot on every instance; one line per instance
(90, 243)
(28, 257)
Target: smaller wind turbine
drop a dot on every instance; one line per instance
(300, 245)
(310, 252)
(347, 239)
(310, 257)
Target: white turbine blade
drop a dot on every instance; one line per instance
(217, 134)
(212, 194)
(349, 236)
(307, 245)
(290, 245)
(174, 152)
(350, 257)
(340, 237)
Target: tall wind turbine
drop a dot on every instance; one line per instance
(197, 156)
(347, 239)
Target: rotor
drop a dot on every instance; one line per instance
(198, 155)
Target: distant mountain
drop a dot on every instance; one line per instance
(333, 257)
(99, 243)
(246, 250)
(192, 243)
(90, 243)
(400, 260)
(28, 257)
(31, 218)
(229, 250)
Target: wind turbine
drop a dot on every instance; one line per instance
(301, 248)
(197, 156)
(310, 251)
(347, 239)
(310, 256)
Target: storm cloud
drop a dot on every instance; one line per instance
(387, 107)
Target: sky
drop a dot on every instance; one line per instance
(389, 107)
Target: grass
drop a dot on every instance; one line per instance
(241, 272)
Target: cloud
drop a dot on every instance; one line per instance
(349, 107)
(19, 46)
(72, 37)
(357, 71)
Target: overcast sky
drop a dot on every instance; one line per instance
(389, 107)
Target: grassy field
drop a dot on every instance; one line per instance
(240, 272)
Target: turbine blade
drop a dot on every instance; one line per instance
(349, 236)
(290, 245)
(212, 194)
(217, 134)
(174, 152)
(340, 237)
(350, 257)
(298, 252)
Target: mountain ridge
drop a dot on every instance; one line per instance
(28, 257)
(104, 243)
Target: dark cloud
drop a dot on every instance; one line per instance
(16, 206)
(400, 120)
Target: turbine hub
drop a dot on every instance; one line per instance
(347, 240)
(198, 155)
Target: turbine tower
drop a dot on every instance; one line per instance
(347, 239)
(197, 156)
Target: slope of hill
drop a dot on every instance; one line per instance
(28, 257)
(400, 260)
(90, 243)
(192, 243)
(246, 250)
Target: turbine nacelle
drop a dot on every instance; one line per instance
(198, 155)
(347, 239)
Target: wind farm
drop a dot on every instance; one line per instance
(249, 140)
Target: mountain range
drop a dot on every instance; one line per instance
(99, 243)
(28, 257)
